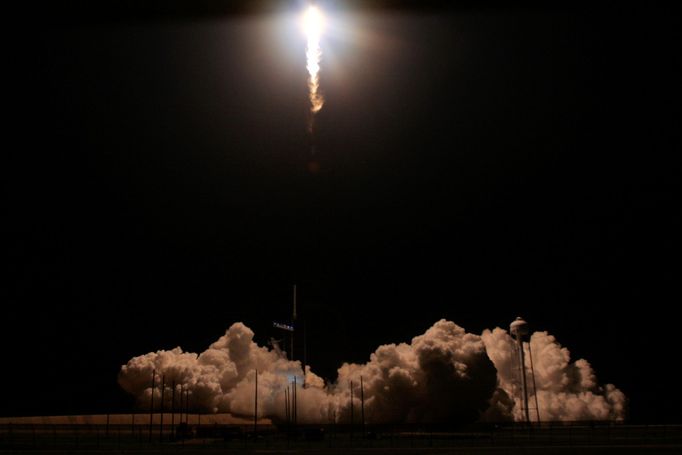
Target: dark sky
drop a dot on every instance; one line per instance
(475, 163)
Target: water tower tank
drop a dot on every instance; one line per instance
(518, 328)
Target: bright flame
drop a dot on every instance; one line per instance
(313, 25)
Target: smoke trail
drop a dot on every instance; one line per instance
(313, 23)
(443, 375)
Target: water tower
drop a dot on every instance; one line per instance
(519, 331)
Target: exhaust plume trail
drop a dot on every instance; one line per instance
(313, 24)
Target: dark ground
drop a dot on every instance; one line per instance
(559, 439)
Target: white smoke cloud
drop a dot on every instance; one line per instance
(445, 374)
(565, 391)
(442, 375)
(220, 379)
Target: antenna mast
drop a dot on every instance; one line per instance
(293, 324)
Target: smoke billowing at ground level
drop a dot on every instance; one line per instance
(442, 375)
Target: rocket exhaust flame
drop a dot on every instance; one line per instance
(313, 24)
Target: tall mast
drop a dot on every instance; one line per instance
(293, 324)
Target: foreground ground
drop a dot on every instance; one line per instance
(338, 439)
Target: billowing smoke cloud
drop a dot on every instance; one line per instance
(443, 375)
(565, 390)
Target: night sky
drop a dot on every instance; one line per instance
(473, 163)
